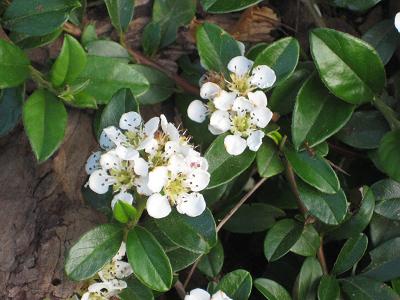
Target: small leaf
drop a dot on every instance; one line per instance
(388, 153)
(211, 263)
(356, 288)
(121, 13)
(135, 291)
(45, 120)
(14, 65)
(308, 278)
(108, 49)
(328, 288)
(271, 290)
(280, 238)
(26, 41)
(149, 262)
(222, 6)
(236, 285)
(92, 251)
(308, 243)
(11, 101)
(151, 38)
(268, 161)
(124, 212)
(351, 252)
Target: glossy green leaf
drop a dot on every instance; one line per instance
(268, 161)
(385, 261)
(135, 291)
(120, 12)
(107, 75)
(92, 251)
(89, 34)
(308, 243)
(351, 252)
(161, 86)
(236, 285)
(14, 65)
(39, 17)
(388, 153)
(222, 6)
(307, 280)
(382, 229)
(26, 41)
(280, 238)
(100, 202)
(70, 62)
(328, 288)
(149, 262)
(364, 130)
(45, 120)
(356, 5)
(389, 209)
(11, 101)
(151, 38)
(317, 114)
(356, 288)
(108, 49)
(282, 56)
(211, 263)
(194, 234)
(386, 189)
(349, 67)
(271, 290)
(329, 208)
(314, 170)
(224, 167)
(216, 47)
(124, 212)
(82, 100)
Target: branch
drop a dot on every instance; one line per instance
(180, 289)
(315, 12)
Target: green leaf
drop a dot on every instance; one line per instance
(307, 280)
(386, 189)
(280, 238)
(151, 38)
(161, 86)
(39, 17)
(14, 65)
(356, 288)
(70, 62)
(107, 75)
(388, 153)
(356, 223)
(254, 217)
(89, 34)
(268, 161)
(45, 120)
(135, 291)
(385, 261)
(100, 202)
(26, 41)
(216, 47)
(384, 37)
(149, 262)
(211, 263)
(108, 49)
(356, 5)
(382, 229)
(224, 167)
(81, 100)
(317, 114)
(349, 67)
(124, 212)
(364, 130)
(92, 251)
(328, 208)
(121, 13)
(351, 252)
(11, 101)
(282, 56)
(308, 243)
(314, 170)
(271, 290)
(222, 6)
(328, 288)
(194, 234)
(389, 209)
(236, 285)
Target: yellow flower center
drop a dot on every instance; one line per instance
(241, 124)
(240, 84)
(175, 187)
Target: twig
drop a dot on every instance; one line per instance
(314, 11)
(72, 29)
(4, 36)
(321, 256)
(194, 266)
(180, 289)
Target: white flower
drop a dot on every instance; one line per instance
(254, 140)
(100, 181)
(115, 135)
(122, 196)
(261, 116)
(200, 294)
(220, 295)
(234, 144)
(158, 206)
(130, 121)
(220, 120)
(192, 204)
(93, 162)
(157, 179)
(224, 100)
(105, 142)
(198, 180)
(242, 106)
(240, 65)
(397, 21)
(263, 77)
(197, 111)
(209, 90)
(258, 98)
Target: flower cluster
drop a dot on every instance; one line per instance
(110, 278)
(397, 21)
(199, 294)
(152, 159)
(237, 105)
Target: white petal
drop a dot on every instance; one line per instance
(158, 206)
(110, 160)
(254, 140)
(397, 21)
(171, 148)
(117, 285)
(130, 121)
(197, 162)
(177, 164)
(99, 181)
(142, 187)
(258, 98)
(141, 167)
(93, 162)
(242, 47)
(101, 288)
(220, 295)
(126, 153)
(220, 120)
(121, 252)
(192, 204)
(215, 131)
(169, 129)
(197, 111)
(86, 296)
(105, 142)
(150, 145)
(198, 294)
(198, 180)
(224, 100)
(122, 196)
(261, 116)
(123, 269)
(151, 126)
(157, 179)
(263, 77)
(241, 105)
(115, 135)
(240, 65)
(209, 90)
(234, 144)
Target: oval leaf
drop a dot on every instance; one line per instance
(236, 285)
(14, 65)
(328, 288)
(359, 287)
(211, 264)
(222, 6)
(308, 243)
(268, 161)
(388, 153)
(121, 13)
(135, 291)
(11, 101)
(271, 290)
(308, 278)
